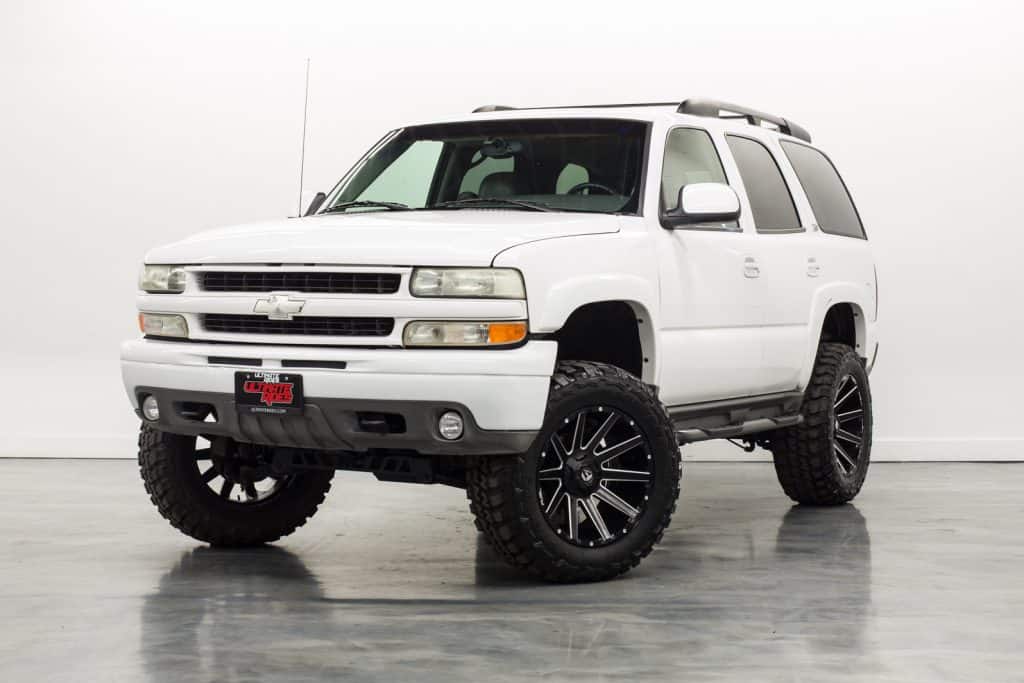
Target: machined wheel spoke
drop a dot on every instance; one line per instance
(555, 501)
(618, 449)
(624, 475)
(605, 495)
(590, 507)
(849, 415)
(603, 430)
(202, 454)
(559, 448)
(558, 451)
(577, 434)
(210, 474)
(847, 436)
(250, 491)
(573, 518)
(848, 394)
(226, 487)
(847, 463)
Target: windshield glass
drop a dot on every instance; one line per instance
(590, 165)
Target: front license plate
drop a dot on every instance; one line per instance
(268, 393)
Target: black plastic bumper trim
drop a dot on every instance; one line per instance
(332, 424)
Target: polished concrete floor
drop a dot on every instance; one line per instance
(922, 579)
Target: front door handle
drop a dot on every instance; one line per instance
(750, 267)
(813, 269)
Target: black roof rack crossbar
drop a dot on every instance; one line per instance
(695, 106)
(725, 110)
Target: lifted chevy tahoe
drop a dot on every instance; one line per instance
(537, 305)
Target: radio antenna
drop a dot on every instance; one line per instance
(302, 154)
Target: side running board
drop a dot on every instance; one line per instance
(763, 424)
(736, 417)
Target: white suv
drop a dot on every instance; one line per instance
(537, 305)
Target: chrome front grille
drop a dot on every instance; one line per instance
(300, 281)
(325, 326)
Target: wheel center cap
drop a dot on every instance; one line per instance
(586, 475)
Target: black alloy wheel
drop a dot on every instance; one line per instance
(594, 476)
(848, 428)
(239, 473)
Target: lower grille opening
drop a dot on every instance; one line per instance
(196, 412)
(300, 325)
(381, 423)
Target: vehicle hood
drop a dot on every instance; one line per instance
(466, 237)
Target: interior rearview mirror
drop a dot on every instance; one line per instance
(315, 204)
(703, 203)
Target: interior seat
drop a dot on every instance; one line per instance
(502, 184)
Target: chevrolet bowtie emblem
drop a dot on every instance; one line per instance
(279, 307)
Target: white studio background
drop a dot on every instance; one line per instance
(127, 124)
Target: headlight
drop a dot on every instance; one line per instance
(436, 333)
(481, 283)
(163, 325)
(160, 279)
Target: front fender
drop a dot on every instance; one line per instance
(563, 274)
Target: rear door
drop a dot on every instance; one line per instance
(839, 248)
(787, 269)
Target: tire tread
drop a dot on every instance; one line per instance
(163, 482)
(803, 454)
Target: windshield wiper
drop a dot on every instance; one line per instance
(470, 202)
(392, 206)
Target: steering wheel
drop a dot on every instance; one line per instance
(578, 189)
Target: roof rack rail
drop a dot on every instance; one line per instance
(502, 107)
(491, 107)
(695, 106)
(725, 110)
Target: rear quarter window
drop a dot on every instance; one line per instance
(830, 200)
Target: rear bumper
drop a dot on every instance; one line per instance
(502, 394)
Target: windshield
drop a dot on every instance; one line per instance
(589, 165)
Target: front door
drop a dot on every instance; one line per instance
(710, 288)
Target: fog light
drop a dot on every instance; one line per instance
(150, 409)
(450, 425)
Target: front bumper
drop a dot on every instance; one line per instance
(502, 394)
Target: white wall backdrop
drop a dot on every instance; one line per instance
(129, 123)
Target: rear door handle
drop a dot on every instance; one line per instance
(750, 267)
(813, 269)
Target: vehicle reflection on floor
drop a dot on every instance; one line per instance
(920, 580)
(252, 614)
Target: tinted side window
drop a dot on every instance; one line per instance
(825, 190)
(770, 201)
(690, 157)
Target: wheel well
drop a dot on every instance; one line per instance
(840, 326)
(603, 332)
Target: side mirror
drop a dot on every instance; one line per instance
(703, 203)
(315, 204)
